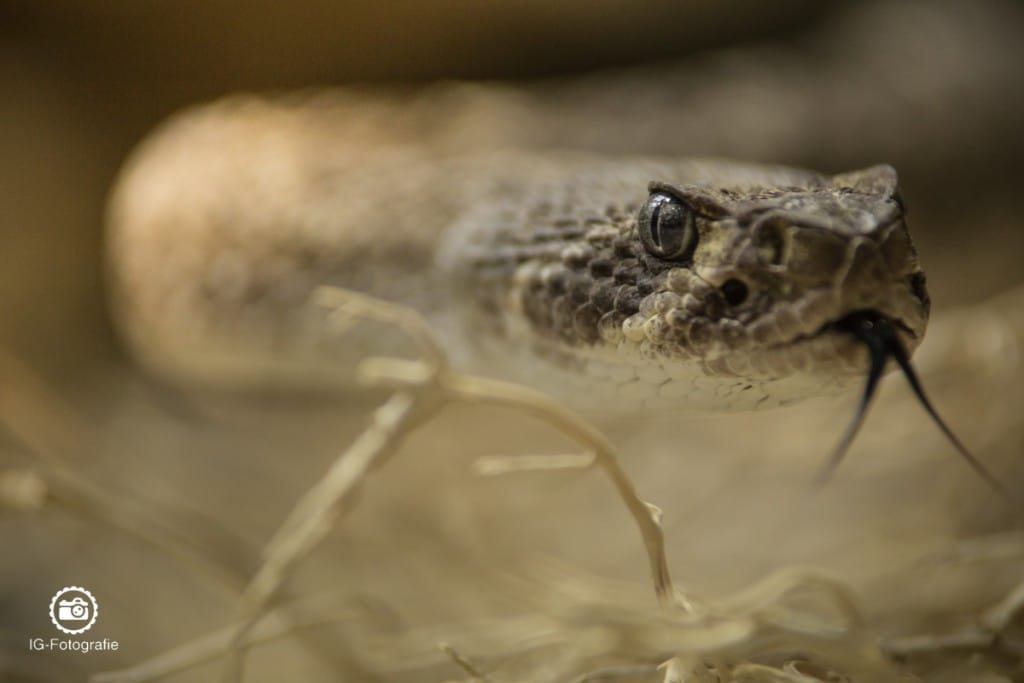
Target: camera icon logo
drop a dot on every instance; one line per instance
(73, 610)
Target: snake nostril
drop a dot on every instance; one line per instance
(734, 291)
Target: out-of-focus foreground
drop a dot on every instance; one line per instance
(160, 502)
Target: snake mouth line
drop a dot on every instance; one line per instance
(841, 326)
(850, 322)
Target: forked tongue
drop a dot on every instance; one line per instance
(882, 342)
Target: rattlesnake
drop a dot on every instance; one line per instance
(694, 283)
(545, 246)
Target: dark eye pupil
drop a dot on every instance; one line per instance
(668, 224)
(666, 227)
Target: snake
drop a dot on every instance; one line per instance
(699, 284)
(613, 281)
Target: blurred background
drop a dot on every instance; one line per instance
(935, 88)
(85, 82)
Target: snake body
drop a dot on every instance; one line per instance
(605, 279)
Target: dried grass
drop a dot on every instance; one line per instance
(796, 625)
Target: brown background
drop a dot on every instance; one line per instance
(82, 83)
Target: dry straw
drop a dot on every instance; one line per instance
(766, 633)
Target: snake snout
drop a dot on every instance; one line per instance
(885, 277)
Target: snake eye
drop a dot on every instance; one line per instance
(667, 228)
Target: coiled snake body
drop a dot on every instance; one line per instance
(607, 280)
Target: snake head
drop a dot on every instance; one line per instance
(771, 272)
(710, 284)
